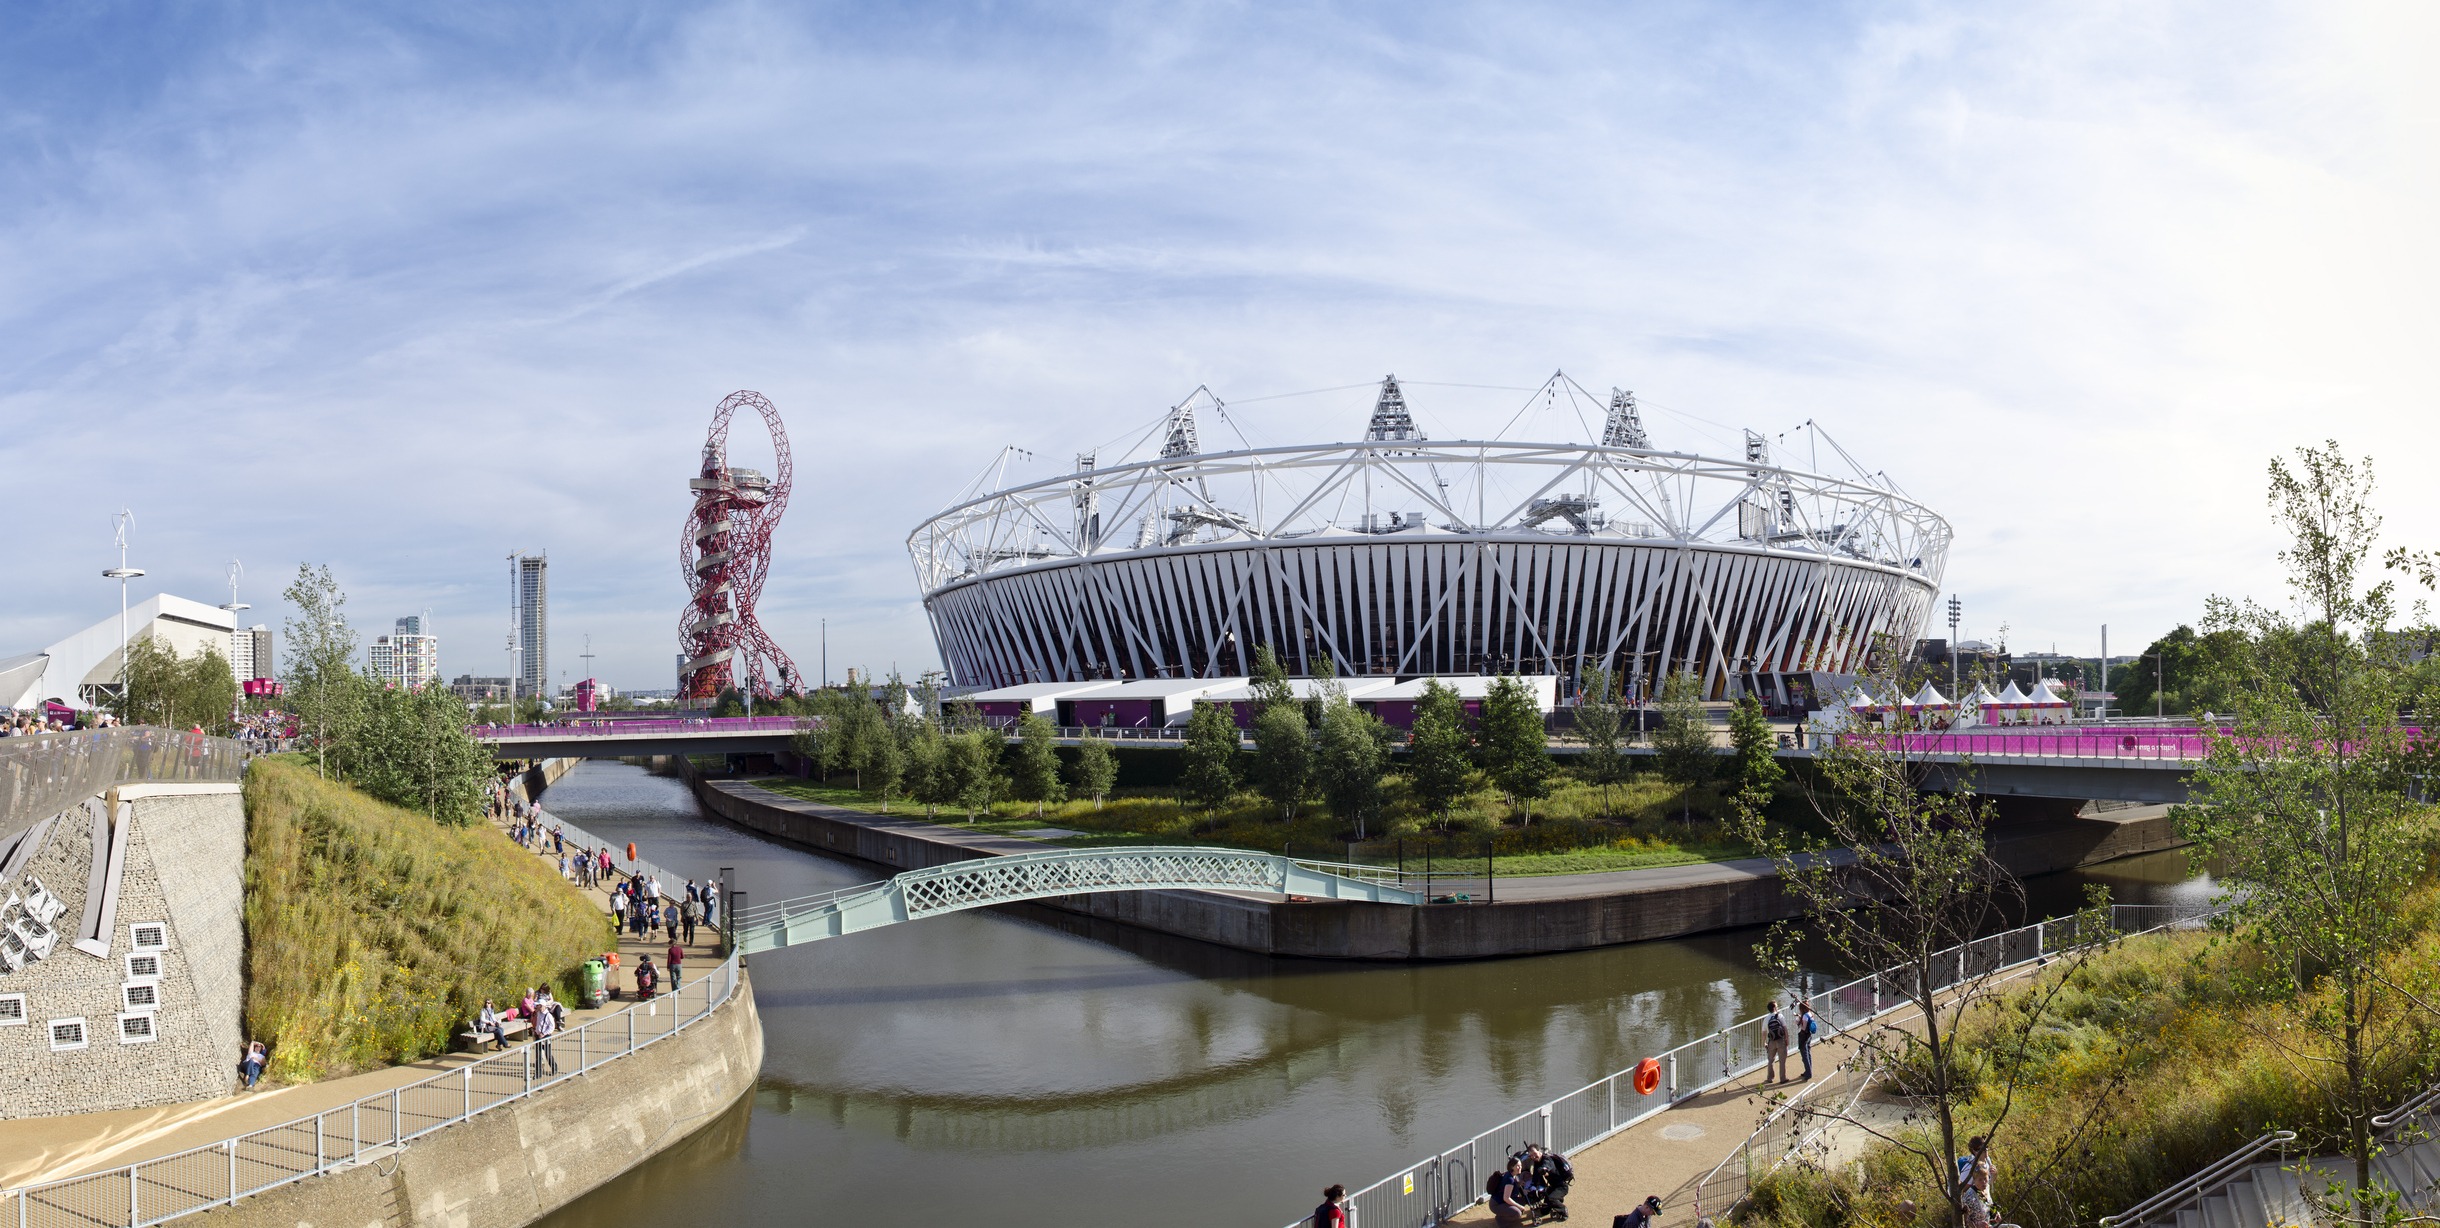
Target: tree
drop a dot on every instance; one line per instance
(1683, 741)
(1756, 764)
(974, 759)
(931, 776)
(1893, 877)
(1037, 763)
(412, 749)
(1283, 756)
(1270, 680)
(1601, 725)
(324, 689)
(2306, 802)
(1210, 775)
(1515, 746)
(1350, 754)
(176, 692)
(1095, 769)
(2200, 673)
(884, 760)
(1437, 750)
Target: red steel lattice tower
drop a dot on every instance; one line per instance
(726, 554)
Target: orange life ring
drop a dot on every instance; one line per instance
(1648, 1076)
(631, 850)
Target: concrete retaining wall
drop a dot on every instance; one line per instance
(183, 870)
(529, 784)
(516, 1164)
(1728, 896)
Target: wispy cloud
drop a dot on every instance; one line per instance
(406, 291)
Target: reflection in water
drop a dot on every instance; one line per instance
(1023, 1065)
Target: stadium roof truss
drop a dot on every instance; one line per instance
(1398, 554)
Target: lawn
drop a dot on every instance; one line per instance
(1575, 830)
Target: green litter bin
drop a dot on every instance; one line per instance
(597, 977)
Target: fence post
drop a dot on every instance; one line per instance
(230, 1147)
(397, 1123)
(580, 1048)
(630, 1014)
(1673, 1083)
(317, 1142)
(1613, 1097)
(466, 1092)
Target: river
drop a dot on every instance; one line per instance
(1035, 1068)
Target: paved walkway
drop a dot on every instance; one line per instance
(37, 1149)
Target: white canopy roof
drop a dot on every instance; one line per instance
(1982, 695)
(2044, 697)
(1858, 697)
(2012, 695)
(1929, 697)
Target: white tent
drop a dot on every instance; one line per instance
(2012, 696)
(1977, 707)
(1929, 697)
(2045, 706)
(1858, 697)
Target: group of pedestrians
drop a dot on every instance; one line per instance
(1776, 1035)
(641, 907)
(541, 1012)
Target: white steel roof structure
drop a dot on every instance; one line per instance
(81, 670)
(1400, 555)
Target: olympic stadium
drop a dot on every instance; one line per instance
(1396, 554)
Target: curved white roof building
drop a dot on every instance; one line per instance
(1395, 554)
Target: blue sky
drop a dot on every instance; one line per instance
(404, 289)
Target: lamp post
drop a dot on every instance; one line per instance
(122, 573)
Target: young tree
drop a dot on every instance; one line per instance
(884, 761)
(324, 689)
(1683, 741)
(975, 761)
(1351, 752)
(1437, 750)
(1210, 775)
(1756, 762)
(2307, 801)
(931, 777)
(1283, 756)
(1894, 877)
(1269, 681)
(1515, 745)
(1095, 769)
(1601, 725)
(176, 692)
(1037, 763)
(412, 749)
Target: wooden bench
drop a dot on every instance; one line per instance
(510, 1029)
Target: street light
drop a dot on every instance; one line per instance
(122, 573)
(1956, 613)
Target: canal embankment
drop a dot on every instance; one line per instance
(1509, 917)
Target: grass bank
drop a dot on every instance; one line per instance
(2151, 1063)
(1577, 829)
(373, 932)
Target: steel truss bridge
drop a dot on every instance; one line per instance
(935, 890)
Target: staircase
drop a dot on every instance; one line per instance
(2244, 1190)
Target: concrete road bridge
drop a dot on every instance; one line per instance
(958, 886)
(2139, 764)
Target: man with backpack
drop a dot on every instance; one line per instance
(1774, 1046)
(1806, 1027)
(1642, 1216)
(1551, 1174)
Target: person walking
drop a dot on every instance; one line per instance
(677, 964)
(1642, 1216)
(1806, 1028)
(1330, 1214)
(687, 917)
(1974, 1171)
(546, 1025)
(1774, 1046)
(711, 902)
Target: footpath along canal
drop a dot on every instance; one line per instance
(1032, 1067)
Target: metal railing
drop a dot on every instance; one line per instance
(44, 774)
(1729, 1181)
(1427, 1194)
(372, 1127)
(614, 729)
(2157, 745)
(2223, 1171)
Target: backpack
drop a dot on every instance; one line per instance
(1558, 1167)
(1776, 1029)
(1813, 1025)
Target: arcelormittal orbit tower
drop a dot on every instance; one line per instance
(726, 554)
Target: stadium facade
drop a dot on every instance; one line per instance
(1402, 555)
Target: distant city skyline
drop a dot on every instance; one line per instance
(404, 290)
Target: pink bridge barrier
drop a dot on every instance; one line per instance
(581, 729)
